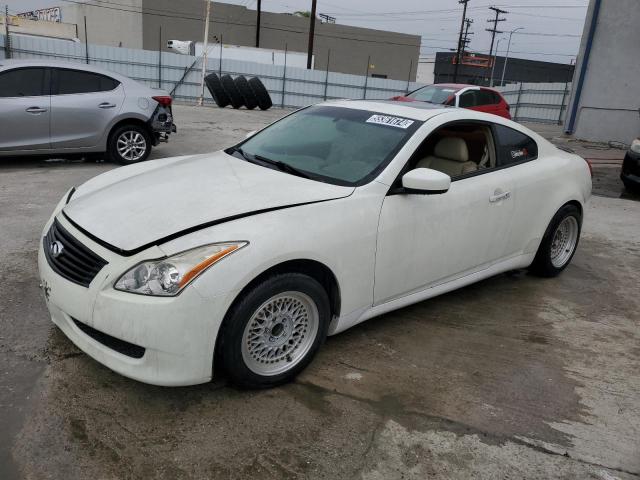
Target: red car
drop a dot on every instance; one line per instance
(472, 97)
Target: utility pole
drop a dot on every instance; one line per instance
(204, 53)
(466, 41)
(495, 30)
(458, 56)
(312, 29)
(506, 59)
(7, 41)
(493, 67)
(259, 7)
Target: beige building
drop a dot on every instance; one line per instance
(115, 24)
(19, 25)
(148, 24)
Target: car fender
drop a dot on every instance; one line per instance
(341, 234)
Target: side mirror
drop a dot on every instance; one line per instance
(426, 181)
(250, 134)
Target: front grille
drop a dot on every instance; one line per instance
(120, 346)
(69, 258)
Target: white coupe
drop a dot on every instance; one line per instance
(246, 259)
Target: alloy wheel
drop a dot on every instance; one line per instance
(131, 145)
(564, 242)
(280, 333)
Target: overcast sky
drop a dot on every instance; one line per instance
(552, 29)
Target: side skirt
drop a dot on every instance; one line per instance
(349, 320)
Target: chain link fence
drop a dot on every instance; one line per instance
(180, 74)
(288, 86)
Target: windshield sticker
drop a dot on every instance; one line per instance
(390, 121)
(448, 90)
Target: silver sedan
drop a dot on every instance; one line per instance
(58, 108)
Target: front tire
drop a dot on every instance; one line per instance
(129, 144)
(559, 243)
(274, 331)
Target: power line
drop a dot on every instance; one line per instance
(549, 34)
(482, 7)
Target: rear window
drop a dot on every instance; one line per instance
(487, 97)
(24, 82)
(76, 81)
(432, 94)
(514, 147)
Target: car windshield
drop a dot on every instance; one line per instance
(336, 145)
(433, 94)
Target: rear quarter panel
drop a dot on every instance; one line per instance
(541, 187)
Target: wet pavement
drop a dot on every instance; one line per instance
(513, 377)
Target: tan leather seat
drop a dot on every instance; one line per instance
(450, 156)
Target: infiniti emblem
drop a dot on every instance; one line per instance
(56, 249)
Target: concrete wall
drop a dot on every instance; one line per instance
(113, 26)
(426, 69)
(39, 28)
(392, 54)
(608, 106)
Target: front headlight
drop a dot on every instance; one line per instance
(635, 145)
(168, 276)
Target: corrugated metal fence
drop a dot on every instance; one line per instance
(288, 86)
(537, 102)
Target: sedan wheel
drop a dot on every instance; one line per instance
(565, 240)
(131, 146)
(274, 330)
(559, 242)
(280, 333)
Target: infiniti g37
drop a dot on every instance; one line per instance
(246, 259)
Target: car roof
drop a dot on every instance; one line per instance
(61, 64)
(421, 111)
(461, 86)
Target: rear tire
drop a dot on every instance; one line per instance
(248, 97)
(231, 90)
(630, 186)
(559, 242)
(217, 90)
(261, 93)
(129, 144)
(273, 332)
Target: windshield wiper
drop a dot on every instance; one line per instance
(283, 167)
(280, 165)
(242, 153)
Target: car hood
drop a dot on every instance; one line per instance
(131, 208)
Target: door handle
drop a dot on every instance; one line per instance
(35, 110)
(106, 105)
(499, 196)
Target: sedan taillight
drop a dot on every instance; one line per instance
(164, 100)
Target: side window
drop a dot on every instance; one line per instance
(456, 149)
(76, 81)
(486, 97)
(469, 99)
(514, 147)
(24, 82)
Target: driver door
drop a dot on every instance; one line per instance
(427, 240)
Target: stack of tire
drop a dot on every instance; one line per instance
(238, 92)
